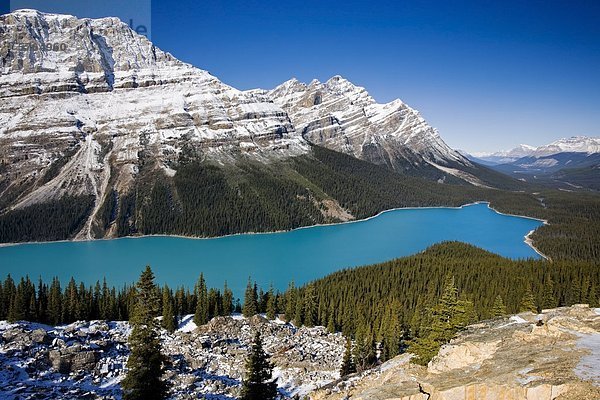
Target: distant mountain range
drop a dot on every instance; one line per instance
(573, 161)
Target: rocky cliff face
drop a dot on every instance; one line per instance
(344, 117)
(85, 102)
(555, 355)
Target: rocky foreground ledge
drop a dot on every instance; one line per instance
(553, 355)
(86, 360)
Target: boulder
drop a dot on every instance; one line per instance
(40, 336)
(73, 359)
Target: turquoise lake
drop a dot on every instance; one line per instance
(301, 255)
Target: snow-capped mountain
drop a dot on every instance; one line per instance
(501, 157)
(574, 144)
(573, 161)
(103, 97)
(87, 107)
(342, 116)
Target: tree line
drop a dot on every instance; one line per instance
(394, 304)
(53, 304)
(421, 301)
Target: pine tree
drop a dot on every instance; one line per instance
(310, 307)
(528, 301)
(145, 364)
(290, 302)
(250, 300)
(548, 298)
(331, 323)
(9, 291)
(227, 300)
(498, 309)
(271, 303)
(392, 332)
(364, 346)
(258, 383)
(299, 311)
(55, 302)
(348, 366)
(447, 317)
(169, 321)
(201, 313)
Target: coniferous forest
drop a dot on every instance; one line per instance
(419, 301)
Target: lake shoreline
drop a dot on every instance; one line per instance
(527, 238)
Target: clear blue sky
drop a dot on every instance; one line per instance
(487, 74)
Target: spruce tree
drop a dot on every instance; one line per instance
(498, 309)
(2, 303)
(392, 331)
(299, 311)
(528, 301)
(548, 298)
(42, 304)
(227, 300)
(201, 312)
(18, 304)
(585, 296)
(348, 367)
(290, 302)
(575, 292)
(214, 303)
(271, 303)
(250, 300)
(258, 383)
(310, 307)
(145, 364)
(331, 323)
(55, 302)
(169, 321)
(447, 317)
(9, 289)
(364, 346)
(415, 321)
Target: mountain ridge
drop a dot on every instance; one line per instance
(573, 144)
(110, 117)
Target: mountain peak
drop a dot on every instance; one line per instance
(573, 144)
(343, 117)
(337, 79)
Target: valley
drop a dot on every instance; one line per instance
(274, 259)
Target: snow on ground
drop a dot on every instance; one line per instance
(517, 320)
(588, 367)
(187, 324)
(88, 358)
